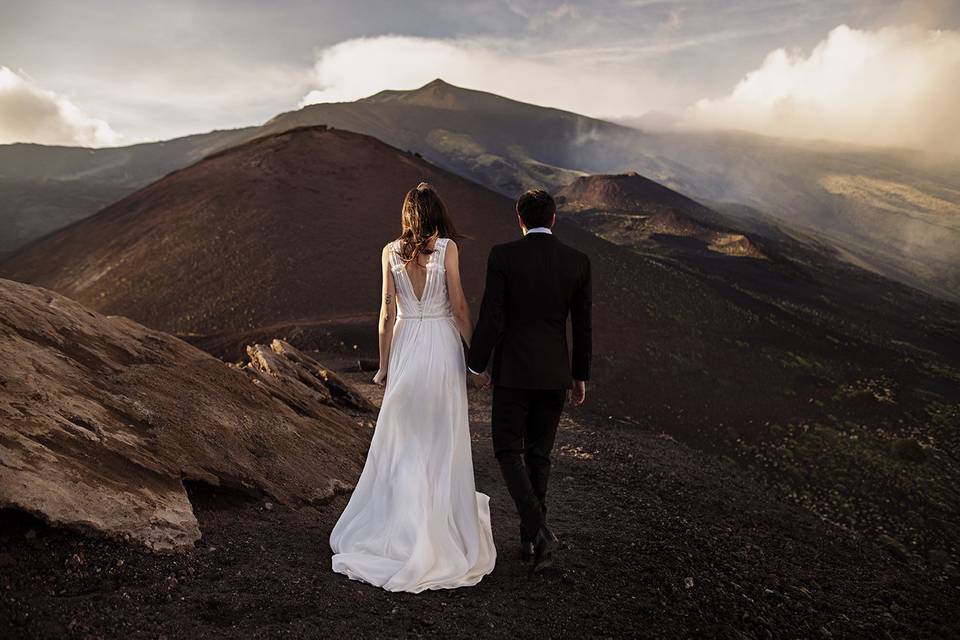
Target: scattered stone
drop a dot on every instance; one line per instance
(894, 548)
(938, 557)
(908, 450)
(75, 562)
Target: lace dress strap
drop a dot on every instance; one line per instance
(395, 261)
(440, 250)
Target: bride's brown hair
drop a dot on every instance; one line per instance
(424, 218)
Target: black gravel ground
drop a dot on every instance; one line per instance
(658, 541)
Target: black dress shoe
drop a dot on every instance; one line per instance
(526, 551)
(544, 546)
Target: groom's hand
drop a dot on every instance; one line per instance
(578, 392)
(483, 380)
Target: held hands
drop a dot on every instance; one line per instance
(380, 378)
(482, 380)
(577, 393)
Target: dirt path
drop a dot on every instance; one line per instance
(657, 541)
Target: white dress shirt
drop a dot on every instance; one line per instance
(534, 230)
(539, 230)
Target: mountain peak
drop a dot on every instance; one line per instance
(437, 93)
(440, 94)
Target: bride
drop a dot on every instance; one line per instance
(415, 520)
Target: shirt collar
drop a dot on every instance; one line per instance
(539, 230)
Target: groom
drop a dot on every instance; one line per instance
(533, 285)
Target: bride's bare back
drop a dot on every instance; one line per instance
(417, 271)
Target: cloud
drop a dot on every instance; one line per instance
(538, 18)
(29, 113)
(589, 82)
(561, 12)
(895, 86)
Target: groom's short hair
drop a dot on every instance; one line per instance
(536, 208)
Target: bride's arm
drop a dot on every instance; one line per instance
(388, 316)
(458, 301)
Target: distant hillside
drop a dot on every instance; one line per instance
(630, 209)
(894, 212)
(45, 188)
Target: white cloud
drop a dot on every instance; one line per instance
(29, 113)
(896, 86)
(588, 83)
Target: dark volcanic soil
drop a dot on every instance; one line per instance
(658, 541)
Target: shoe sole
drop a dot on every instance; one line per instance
(546, 561)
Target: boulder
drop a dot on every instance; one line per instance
(300, 380)
(102, 420)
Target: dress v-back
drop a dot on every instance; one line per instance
(415, 520)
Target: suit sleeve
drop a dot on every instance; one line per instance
(582, 328)
(491, 323)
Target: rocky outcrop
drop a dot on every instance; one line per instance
(300, 381)
(673, 223)
(102, 420)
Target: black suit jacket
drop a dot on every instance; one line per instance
(533, 285)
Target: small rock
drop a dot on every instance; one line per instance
(75, 562)
(938, 557)
(268, 506)
(894, 548)
(908, 450)
(688, 582)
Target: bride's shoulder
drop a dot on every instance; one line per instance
(389, 250)
(451, 253)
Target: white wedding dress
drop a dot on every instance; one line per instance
(415, 520)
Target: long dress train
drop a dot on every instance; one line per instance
(415, 520)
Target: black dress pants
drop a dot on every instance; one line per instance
(524, 427)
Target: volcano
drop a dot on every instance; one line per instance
(285, 228)
(895, 212)
(627, 192)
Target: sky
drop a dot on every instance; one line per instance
(99, 73)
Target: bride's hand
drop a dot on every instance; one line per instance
(380, 378)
